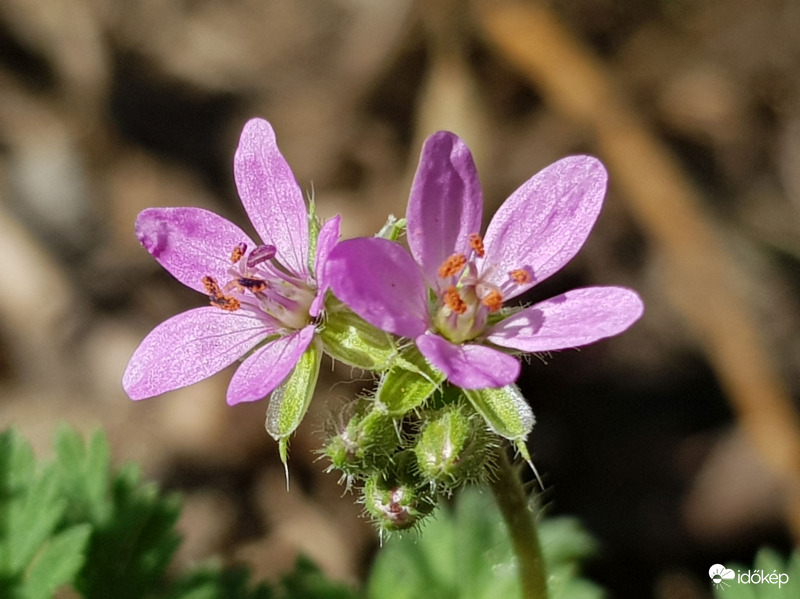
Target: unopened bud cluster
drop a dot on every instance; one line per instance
(417, 437)
(403, 465)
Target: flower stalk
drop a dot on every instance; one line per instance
(520, 520)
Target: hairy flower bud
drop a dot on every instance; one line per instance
(453, 448)
(394, 505)
(364, 444)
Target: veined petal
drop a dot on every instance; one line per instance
(269, 365)
(188, 348)
(469, 366)
(381, 283)
(445, 205)
(326, 241)
(544, 223)
(190, 243)
(270, 194)
(572, 319)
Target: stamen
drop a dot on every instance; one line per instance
(520, 276)
(452, 265)
(253, 285)
(227, 303)
(260, 254)
(219, 299)
(238, 251)
(476, 243)
(453, 300)
(493, 300)
(211, 285)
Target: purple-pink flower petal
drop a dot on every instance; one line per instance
(445, 205)
(270, 194)
(188, 348)
(190, 243)
(380, 282)
(469, 366)
(268, 366)
(544, 223)
(572, 319)
(326, 241)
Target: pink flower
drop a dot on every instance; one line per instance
(265, 298)
(448, 298)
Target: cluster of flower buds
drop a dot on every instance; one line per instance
(403, 465)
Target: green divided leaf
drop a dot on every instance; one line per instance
(133, 536)
(131, 550)
(70, 522)
(35, 558)
(107, 535)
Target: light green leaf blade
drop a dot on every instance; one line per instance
(33, 517)
(84, 472)
(58, 563)
(17, 475)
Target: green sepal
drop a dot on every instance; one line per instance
(314, 225)
(289, 402)
(505, 411)
(352, 340)
(393, 228)
(408, 383)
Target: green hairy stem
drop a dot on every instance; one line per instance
(520, 520)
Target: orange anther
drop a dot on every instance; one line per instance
(452, 265)
(219, 299)
(230, 304)
(520, 276)
(453, 300)
(476, 243)
(212, 287)
(238, 251)
(493, 300)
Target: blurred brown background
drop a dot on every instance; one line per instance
(676, 443)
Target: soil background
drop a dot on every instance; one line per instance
(674, 443)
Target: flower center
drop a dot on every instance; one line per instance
(260, 283)
(464, 298)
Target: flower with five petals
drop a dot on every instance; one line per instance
(265, 297)
(448, 294)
